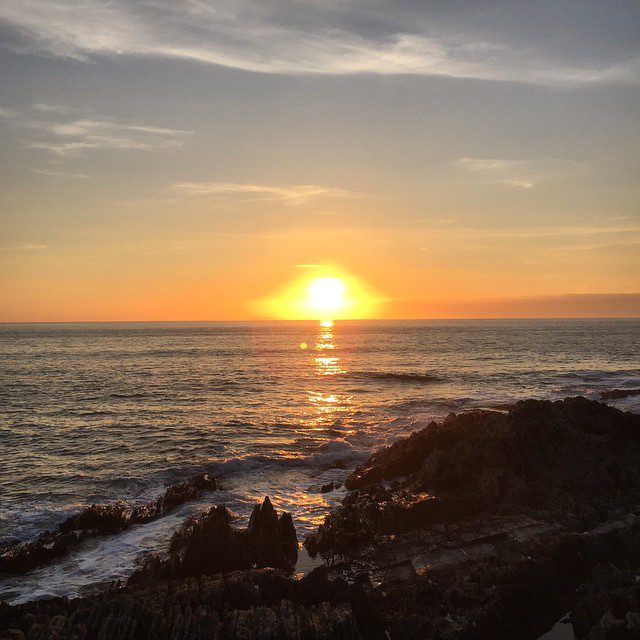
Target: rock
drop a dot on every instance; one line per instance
(609, 628)
(430, 466)
(98, 520)
(619, 393)
(243, 605)
(538, 455)
(215, 547)
(287, 621)
(207, 545)
(274, 542)
(106, 518)
(330, 486)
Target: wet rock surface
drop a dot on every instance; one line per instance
(97, 520)
(489, 525)
(616, 394)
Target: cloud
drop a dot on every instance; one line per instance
(552, 232)
(312, 38)
(50, 108)
(67, 138)
(292, 195)
(28, 246)
(51, 173)
(519, 174)
(58, 130)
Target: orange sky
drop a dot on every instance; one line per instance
(457, 162)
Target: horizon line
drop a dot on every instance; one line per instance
(310, 320)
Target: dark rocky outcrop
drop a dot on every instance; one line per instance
(261, 604)
(574, 461)
(98, 520)
(208, 544)
(616, 394)
(494, 521)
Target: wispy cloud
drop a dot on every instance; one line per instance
(551, 232)
(50, 108)
(27, 246)
(316, 38)
(520, 174)
(62, 132)
(52, 173)
(292, 195)
(67, 138)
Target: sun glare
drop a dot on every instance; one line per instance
(328, 294)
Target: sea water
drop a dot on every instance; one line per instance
(118, 411)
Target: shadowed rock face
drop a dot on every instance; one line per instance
(208, 544)
(495, 524)
(273, 540)
(98, 520)
(574, 461)
(239, 606)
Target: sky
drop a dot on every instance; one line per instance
(198, 160)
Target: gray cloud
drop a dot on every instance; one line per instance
(305, 38)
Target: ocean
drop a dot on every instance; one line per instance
(118, 411)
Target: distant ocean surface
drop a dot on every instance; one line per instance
(107, 412)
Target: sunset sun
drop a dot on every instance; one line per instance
(328, 293)
(327, 296)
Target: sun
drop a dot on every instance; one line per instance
(327, 296)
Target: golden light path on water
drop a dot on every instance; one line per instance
(327, 406)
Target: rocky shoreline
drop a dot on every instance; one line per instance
(490, 524)
(97, 520)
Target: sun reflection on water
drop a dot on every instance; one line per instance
(327, 406)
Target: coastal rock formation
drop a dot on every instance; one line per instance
(238, 606)
(207, 545)
(98, 520)
(491, 524)
(616, 394)
(499, 519)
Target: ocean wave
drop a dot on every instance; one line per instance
(332, 454)
(393, 376)
(434, 404)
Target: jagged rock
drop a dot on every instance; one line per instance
(274, 542)
(287, 621)
(243, 605)
(430, 466)
(102, 518)
(208, 544)
(538, 456)
(98, 520)
(215, 546)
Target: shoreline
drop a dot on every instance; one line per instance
(432, 524)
